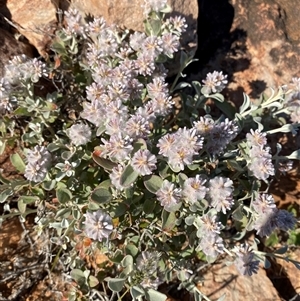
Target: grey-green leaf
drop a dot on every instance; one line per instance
(101, 195)
(5, 194)
(63, 195)
(189, 220)
(128, 176)
(246, 104)
(267, 264)
(105, 163)
(21, 206)
(26, 199)
(18, 162)
(116, 284)
(93, 281)
(136, 292)
(78, 275)
(153, 183)
(168, 220)
(153, 295)
(281, 250)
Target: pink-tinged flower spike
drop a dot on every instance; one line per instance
(211, 245)
(210, 226)
(285, 220)
(94, 112)
(256, 138)
(136, 40)
(117, 148)
(157, 87)
(263, 203)
(115, 177)
(296, 83)
(145, 64)
(194, 189)
(170, 44)
(177, 24)
(245, 262)
(271, 219)
(169, 196)
(166, 144)
(143, 162)
(98, 225)
(38, 162)
(153, 5)
(74, 22)
(215, 82)
(220, 193)
(79, 134)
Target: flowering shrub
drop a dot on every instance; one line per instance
(109, 161)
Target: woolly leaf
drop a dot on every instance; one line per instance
(63, 195)
(246, 104)
(101, 195)
(168, 220)
(153, 295)
(153, 183)
(137, 292)
(116, 284)
(128, 176)
(18, 162)
(281, 250)
(93, 281)
(105, 163)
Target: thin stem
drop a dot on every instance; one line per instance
(120, 298)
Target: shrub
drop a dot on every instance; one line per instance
(111, 165)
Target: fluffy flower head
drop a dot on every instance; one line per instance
(98, 225)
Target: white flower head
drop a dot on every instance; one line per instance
(79, 134)
(98, 225)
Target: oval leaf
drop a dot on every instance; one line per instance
(149, 206)
(153, 295)
(101, 195)
(128, 176)
(18, 162)
(93, 281)
(21, 206)
(28, 199)
(105, 163)
(168, 220)
(5, 194)
(282, 250)
(153, 183)
(137, 292)
(63, 195)
(116, 284)
(77, 275)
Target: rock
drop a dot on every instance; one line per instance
(290, 18)
(259, 50)
(9, 47)
(36, 22)
(285, 276)
(274, 58)
(129, 13)
(221, 279)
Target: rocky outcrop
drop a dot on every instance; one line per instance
(257, 43)
(37, 20)
(222, 279)
(129, 13)
(9, 47)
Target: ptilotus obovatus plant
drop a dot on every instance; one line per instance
(111, 166)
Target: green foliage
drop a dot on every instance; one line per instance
(146, 206)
